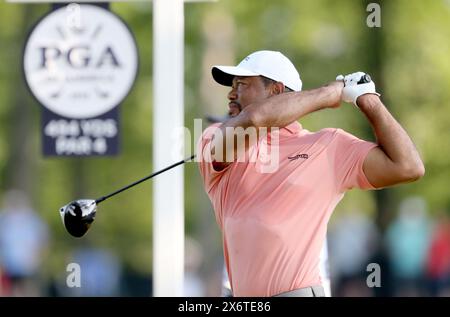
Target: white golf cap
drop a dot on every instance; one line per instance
(270, 64)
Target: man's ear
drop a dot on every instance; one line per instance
(277, 88)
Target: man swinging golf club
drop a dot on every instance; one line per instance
(274, 222)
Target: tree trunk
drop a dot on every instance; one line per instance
(374, 49)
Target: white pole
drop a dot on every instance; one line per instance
(168, 115)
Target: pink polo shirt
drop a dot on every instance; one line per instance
(274, 224)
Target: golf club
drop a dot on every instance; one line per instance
(78, 215)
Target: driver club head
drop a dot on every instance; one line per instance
(78, 215)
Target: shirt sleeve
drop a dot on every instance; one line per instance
(349, 155)
(210, 176)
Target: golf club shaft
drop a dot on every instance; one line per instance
(99, 200)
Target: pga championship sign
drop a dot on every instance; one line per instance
(80, 62)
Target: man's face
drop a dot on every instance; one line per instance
(245, 91)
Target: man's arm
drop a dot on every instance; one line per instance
(396, 159)
(276, 111)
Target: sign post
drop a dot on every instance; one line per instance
(168, 234)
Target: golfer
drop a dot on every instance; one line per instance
(274, 184)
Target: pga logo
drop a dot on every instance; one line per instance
(80, 61)
(78, 57)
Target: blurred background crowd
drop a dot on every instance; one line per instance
(406, 230)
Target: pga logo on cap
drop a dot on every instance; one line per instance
(84, 69)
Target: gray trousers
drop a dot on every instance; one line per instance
(312, 291)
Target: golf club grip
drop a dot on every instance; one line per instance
(99, 200)
(364, 79)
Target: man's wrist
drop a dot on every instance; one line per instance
(368, 101)
(333, 94)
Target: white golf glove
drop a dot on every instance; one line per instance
(355, 85)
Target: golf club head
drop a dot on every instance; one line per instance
(78, 215)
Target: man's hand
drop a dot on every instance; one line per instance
(356, 85)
